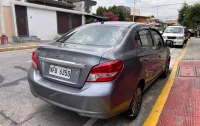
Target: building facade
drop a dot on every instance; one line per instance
(171, 22)
(24, 20)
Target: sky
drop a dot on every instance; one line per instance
(149, 7)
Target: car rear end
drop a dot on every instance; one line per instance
(72, 75)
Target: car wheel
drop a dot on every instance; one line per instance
(166, 71)
(182, 45)
(136, 103)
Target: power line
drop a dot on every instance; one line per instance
(171, 4)
(153, 7)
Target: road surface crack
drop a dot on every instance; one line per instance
(6, 117)
(21, 68)
(16, 82)
(13, 83)
(33, 114)
(1, 79)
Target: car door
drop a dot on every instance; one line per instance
(161, 51)
(146, 54)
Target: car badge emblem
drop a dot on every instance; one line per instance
(59, 56)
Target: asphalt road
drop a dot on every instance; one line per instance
(19, 107)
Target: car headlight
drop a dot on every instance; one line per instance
(179, 37)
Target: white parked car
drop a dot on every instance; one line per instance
(177, 35)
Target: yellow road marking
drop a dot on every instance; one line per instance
(153, 117)
(17, 48)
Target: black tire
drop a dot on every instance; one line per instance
(185, 42)
(182, 45)
(136, 103)
(166, 71)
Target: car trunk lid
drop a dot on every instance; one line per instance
(69, 64)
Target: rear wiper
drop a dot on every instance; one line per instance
(60, 41)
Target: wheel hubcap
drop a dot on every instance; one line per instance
(167, 67)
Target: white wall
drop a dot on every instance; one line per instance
(80, 6)
(6, 2)
(42, 23)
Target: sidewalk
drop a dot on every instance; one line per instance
(183, 103)
(20, 46)
(179, 101)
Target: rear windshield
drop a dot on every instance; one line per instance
(174, 30)
(95, 35)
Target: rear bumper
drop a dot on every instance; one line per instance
(93, 100)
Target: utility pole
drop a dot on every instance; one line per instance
(134, 11)
(157, 12)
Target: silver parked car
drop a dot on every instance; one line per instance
(177, 35)
(101, 69)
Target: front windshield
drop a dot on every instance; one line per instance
(95, 35)
(174, 30)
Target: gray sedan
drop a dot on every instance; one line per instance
(100, 69)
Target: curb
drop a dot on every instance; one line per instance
(17, 48)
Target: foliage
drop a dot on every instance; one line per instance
(119, 13)
(183, 13)
(100, 11)
(152, 17)
(110, 15)
(189, 16)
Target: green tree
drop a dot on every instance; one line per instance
(121, 15)
(189, 16)
(183, 13)
(152, 16)
(193, 16)
(100, 11)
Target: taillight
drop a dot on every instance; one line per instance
(105, 72)
(35, 60)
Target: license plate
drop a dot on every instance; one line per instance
(60, 71)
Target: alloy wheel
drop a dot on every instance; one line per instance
(137, 101)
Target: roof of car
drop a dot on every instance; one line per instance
(116, 23)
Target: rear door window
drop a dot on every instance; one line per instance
(158, 41)
(145, 38)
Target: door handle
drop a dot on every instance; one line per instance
(160, 55)
(21, 20)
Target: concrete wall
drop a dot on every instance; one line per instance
(8, 22)
(7, 19)
(6, 2)
(0, 31)
(42, 23)
(79, 6)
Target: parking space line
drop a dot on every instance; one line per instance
(90, 122)
(29, 61)
(154, 115)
